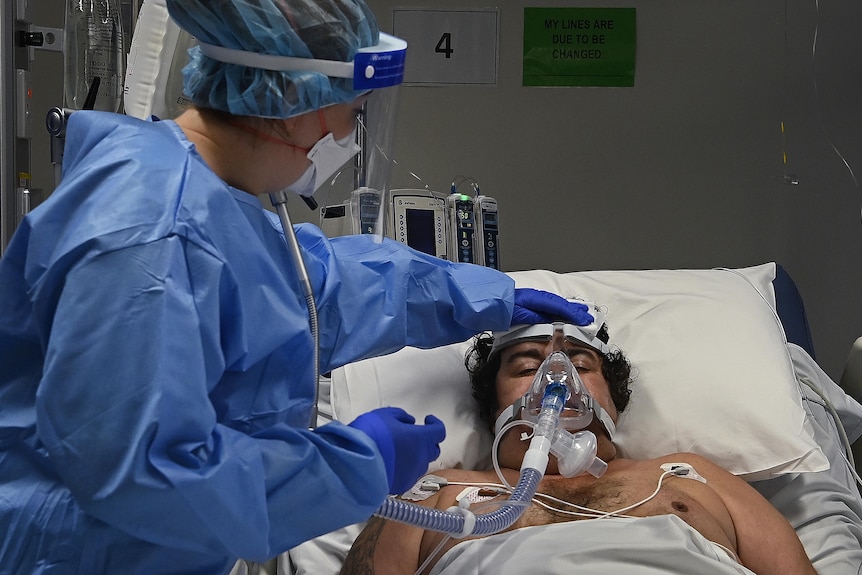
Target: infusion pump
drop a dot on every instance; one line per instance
(457, 227)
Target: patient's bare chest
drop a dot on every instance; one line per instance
(569, 500)
(588, 499)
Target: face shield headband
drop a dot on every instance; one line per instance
(373, 67)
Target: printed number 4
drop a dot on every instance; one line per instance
(444, 45)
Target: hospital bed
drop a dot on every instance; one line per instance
(724, 366)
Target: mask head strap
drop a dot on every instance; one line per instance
(583, 334)
(586, 335)
(513, 412)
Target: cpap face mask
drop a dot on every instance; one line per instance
(580, 407)
(582, 334)
(557, 375)
(559, 401)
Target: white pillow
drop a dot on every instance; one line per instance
(422, 381)
(713, 374)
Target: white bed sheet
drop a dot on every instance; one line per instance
(825, 508)
(661, 545)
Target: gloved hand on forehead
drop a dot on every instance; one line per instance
(407, 449)
(534, 306)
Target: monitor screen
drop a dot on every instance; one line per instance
(490, 219)
(420, 231)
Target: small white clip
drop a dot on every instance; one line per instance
(469, 519)
(683, 470)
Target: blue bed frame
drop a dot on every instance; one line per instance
(791, 310)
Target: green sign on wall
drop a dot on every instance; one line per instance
(579, 46)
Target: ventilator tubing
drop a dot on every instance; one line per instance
(459, 522)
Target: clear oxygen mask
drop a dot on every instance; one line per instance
(558, 400)
(558, 376)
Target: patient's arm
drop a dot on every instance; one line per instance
(392, 548)
(766, 542)
(384, 548)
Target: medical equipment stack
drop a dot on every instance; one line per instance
(473, 230)
(458, 227)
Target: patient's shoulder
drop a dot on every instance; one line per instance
(681, 456)
(693, 459)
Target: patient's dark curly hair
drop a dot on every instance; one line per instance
(483, 369)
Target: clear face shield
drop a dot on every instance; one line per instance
(362, 185)
(353, 171)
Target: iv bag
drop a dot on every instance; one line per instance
(93, 48)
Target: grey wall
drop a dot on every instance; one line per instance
(685, 169)
(682, 170)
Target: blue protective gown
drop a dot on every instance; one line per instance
(155, 363)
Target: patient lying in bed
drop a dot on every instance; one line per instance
(724, 525)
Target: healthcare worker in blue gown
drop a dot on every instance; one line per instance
(156, 377)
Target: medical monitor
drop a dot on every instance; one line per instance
(419, 220)
(488, 232)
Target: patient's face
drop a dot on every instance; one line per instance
(519, 363)
(518, 366)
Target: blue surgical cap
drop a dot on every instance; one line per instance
(320, 29)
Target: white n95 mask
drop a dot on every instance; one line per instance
(327, 156)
